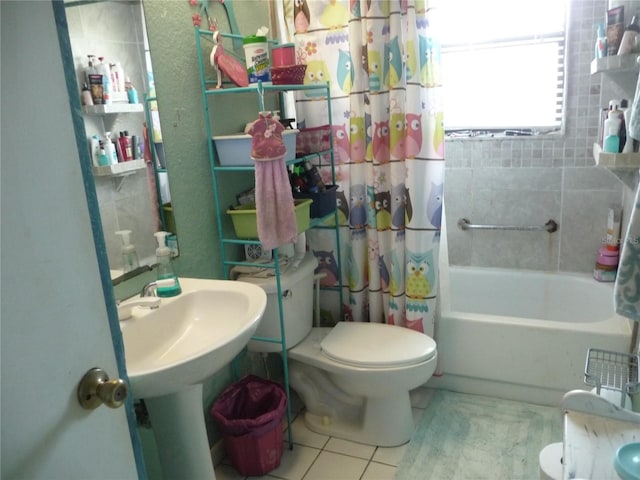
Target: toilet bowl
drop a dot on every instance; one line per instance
(354, 379)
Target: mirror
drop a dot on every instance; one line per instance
(133, 192)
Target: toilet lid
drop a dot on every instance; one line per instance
(376, 345)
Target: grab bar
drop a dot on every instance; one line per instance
(551, 226)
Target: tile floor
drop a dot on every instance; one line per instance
(320, 457)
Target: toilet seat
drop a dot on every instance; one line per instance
(373, 345)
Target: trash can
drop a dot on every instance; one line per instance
(249, 413)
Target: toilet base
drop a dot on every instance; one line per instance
(383, 422)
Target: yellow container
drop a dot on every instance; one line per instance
(245, 223)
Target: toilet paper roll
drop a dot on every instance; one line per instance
(550, 461)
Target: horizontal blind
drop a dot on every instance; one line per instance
(503, 63)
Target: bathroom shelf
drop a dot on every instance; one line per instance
(625, 166)
(218, 172)
(119, 169)
(113, 109)
(616, 64)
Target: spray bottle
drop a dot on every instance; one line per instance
(129, 256)
(165, 267)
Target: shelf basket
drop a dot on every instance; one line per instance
(612, 370)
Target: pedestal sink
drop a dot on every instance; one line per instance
(171, 350)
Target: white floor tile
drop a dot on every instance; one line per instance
(390, 455)
(333, 466)
(353, 449)
(303, 436)
(225, 471)
(378, 471)
(294, 463)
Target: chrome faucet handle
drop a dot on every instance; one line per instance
(150, 289)
(125, 311)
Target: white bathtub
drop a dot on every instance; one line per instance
(522, 335)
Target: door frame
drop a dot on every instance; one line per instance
(62, 28)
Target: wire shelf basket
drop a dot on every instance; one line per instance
(612, 370)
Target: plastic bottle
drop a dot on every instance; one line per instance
(612, 124)
(132, 93)
(629, 40)
(94, 147)
(165, 267)
(90, 69)
(129, 255)
(110, 148)
(611, 138)
(103, 159)
(107, 89)
(117, 74)
(314, 180)
(601, 42)
(86, 95)
(125, 146)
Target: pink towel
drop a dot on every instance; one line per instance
(275, 210)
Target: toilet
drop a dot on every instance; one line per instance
(354, 379)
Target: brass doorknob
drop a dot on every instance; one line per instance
(95, 388)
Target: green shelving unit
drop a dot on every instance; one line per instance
(226, 237)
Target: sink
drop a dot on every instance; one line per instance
(191, 336)
(171, 350)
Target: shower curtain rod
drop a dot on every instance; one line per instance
(551, 226)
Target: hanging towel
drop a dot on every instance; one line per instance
(275, 210)
(627, 287)
(634, 121)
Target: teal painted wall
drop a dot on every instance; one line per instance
(175, 64)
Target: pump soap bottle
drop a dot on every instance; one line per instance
(165, 267)
(129, 255)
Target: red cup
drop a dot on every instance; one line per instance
(283, 55)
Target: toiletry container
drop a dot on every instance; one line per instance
(165, 267)
(297, 304)
(612, 126)
(107, 89)
(256, 52)
(601, 42)
(86, 95)
(129, 255)
(629, 37)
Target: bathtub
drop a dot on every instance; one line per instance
(522, 335)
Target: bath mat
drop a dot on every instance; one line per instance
(471, 437)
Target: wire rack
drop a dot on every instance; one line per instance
(612, 370)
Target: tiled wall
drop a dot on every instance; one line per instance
(529, 181)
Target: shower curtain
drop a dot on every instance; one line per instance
(382, 62)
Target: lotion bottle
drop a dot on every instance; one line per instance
(165, 267)
(129, 255)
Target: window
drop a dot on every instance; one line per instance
(503, 63)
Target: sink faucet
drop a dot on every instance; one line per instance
(150, 289)
(125, 311)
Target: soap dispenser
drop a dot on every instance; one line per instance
(165, 267)
(129, 255)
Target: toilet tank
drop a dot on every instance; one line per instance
(297, 305)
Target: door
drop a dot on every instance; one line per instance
(54, 317)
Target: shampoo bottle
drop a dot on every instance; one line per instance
(107, 89)
(165, 267)
(129, 256)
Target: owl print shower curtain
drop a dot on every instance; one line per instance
(382, 62)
